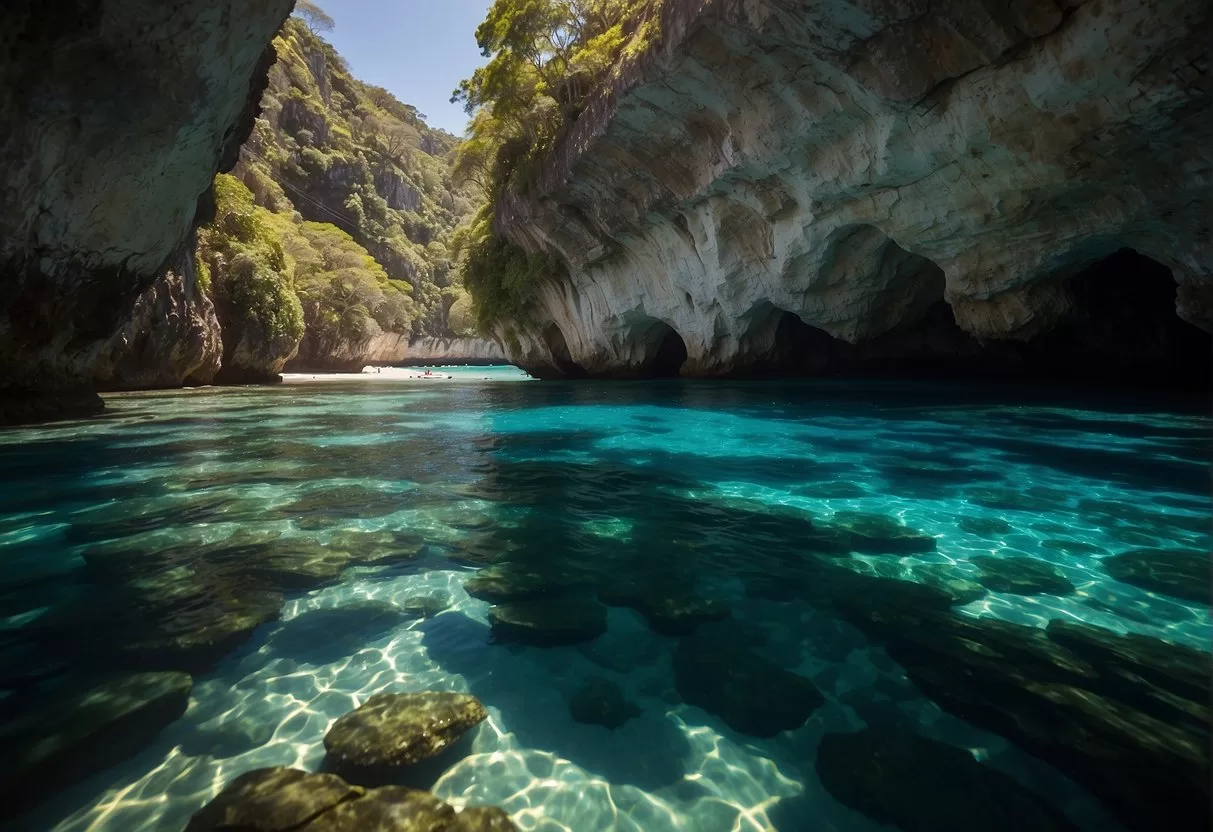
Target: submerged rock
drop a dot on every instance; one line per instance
(920, 785)
(670, 612)
(506, 582)
(80, 733)
(548, 623)
(984, 526)
(875, 534)
(1175, 572)
(394, 730)
(751, 694)
(1021, 576)
(287, 799)
(600, 702)
(1124, 716)
(427, 606)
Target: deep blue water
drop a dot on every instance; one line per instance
(727, 498)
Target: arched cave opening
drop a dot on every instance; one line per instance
(562, 358)
(671, 352)
(1123, 331)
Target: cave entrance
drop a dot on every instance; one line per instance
(562, 358)
(1124, 329)
(665, 350)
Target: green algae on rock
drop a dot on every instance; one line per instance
(917, 784)
(393, 730)
(672, 611)
(289, 800)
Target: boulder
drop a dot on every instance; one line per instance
(395, 730)
(290, 800)
(1021, 576)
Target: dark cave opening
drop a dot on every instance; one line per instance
(1123, 331)
(562, 358)
(671, 353)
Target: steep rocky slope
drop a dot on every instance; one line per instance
(117, 115)
(778, 180)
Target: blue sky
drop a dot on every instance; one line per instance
(418, 49)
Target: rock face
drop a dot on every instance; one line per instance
(785, 183)
(117, 115)
(171, 336)
(394, 349)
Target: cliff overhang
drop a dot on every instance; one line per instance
(870, 170)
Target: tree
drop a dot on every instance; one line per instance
(316, 18)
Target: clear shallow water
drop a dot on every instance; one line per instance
(701, 489)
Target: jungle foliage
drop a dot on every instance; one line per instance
(547, 59)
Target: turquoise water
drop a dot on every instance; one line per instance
(725, 497)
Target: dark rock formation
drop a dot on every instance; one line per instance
(287, 799)
(1187, 575)
(797, 187)
(548, 623)
(751, 694)
(920, 785)
(393, 730)
(80, 733)
(170, 337)
(600, 702)
(1126, 717)
(671, 611)
(117, 115)
(1021, 576)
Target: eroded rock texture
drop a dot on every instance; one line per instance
(392, 348)
(783, 179)
(117, 115)
(171, 336)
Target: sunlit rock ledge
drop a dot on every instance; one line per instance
(778, 175)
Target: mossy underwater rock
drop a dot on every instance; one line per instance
(548, 623)
(751, 694)
(395, 730)
(920, 785)
(600, 702)
(79, 733)
(1175, 572)
(1021, 576)
(875, 534)
(289, 800)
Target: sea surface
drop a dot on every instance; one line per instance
(669, 510)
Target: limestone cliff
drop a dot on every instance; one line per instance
(117, 114)
(171, 336)
(779, 179)
(394, 349)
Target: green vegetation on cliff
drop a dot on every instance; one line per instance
(548, 60)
